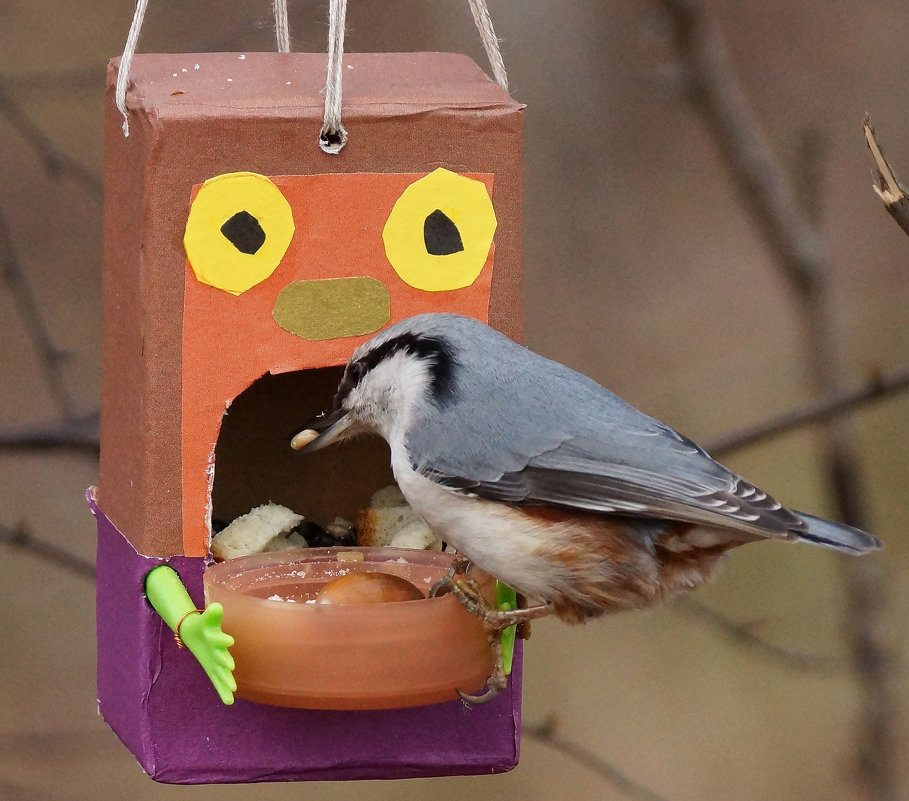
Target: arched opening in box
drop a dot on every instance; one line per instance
(254, 463)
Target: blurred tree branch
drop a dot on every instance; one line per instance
(744, 633)
(888, 186)
(827, 408)
(56, 162)
(793, 236)
(64, 81)
(708, 80)
(546, 732)
(51, 356)
(20, 536)
(79, 435)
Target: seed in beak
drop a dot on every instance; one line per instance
(303, 439)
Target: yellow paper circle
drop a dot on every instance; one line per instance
(263, 225)
(466, 204)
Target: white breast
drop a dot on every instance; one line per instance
(503, 544)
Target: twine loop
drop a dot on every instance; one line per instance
(333, 135)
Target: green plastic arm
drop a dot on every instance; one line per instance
(506, 600)
(200, 631)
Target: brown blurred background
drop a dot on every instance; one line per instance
(643, 269)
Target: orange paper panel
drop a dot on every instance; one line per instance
(231, 340)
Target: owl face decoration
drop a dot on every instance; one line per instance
(293, 272)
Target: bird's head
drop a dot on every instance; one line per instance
(391, 380)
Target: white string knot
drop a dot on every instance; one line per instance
(333, 135)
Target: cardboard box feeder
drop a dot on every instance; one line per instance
(242, 266)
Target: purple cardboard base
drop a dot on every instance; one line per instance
(160, 704)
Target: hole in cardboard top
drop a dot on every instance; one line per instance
(254, 463)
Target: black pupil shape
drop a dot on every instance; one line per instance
(244, 232)
(441, 235)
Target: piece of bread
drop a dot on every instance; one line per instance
(388, 517)
(285, 542)
(415, 535)
(252, 532)
(387, 497)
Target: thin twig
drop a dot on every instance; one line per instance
(63, 81)
(838, 403)
(80, 436)
(743, 634)
(888, 186)
(19, 536)
(51, 356)
(713, 89)
(12, 791)
(799, 253)
(56, 162)
(547, 734)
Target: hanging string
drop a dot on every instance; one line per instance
(282, 36)
(282, 29)
(333, 135)
(490, 42)
(126, 60)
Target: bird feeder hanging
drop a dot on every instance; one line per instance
(245, 258)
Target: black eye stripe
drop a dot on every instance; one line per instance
(435, 350)
(352, 376)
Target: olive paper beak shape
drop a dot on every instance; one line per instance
(322, 431)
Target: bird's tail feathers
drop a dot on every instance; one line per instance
(838, 536)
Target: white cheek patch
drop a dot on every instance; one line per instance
(385, 396)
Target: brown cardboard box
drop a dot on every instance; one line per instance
(170, 355)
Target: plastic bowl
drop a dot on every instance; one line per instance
(352, 656)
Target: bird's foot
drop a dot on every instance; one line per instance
(458, 582)
(459, 567)
(498, 679)
(468, 594)
(470, 597)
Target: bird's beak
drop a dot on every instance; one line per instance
(322, 431)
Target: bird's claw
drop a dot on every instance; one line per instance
(497, 681)
(492, 691)
(468, 594)
(459, 566)
(496, 621)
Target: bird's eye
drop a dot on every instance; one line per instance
(439, 234)
(355, 373)
(238, 230)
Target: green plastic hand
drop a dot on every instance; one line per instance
(506, 600)
(199, 631)
(202, 635)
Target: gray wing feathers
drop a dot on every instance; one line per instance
(672, 479)
(526, 430)
(701, 496)
(839, 536)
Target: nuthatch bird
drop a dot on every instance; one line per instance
(546, 480)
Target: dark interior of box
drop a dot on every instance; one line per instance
(254, 462)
